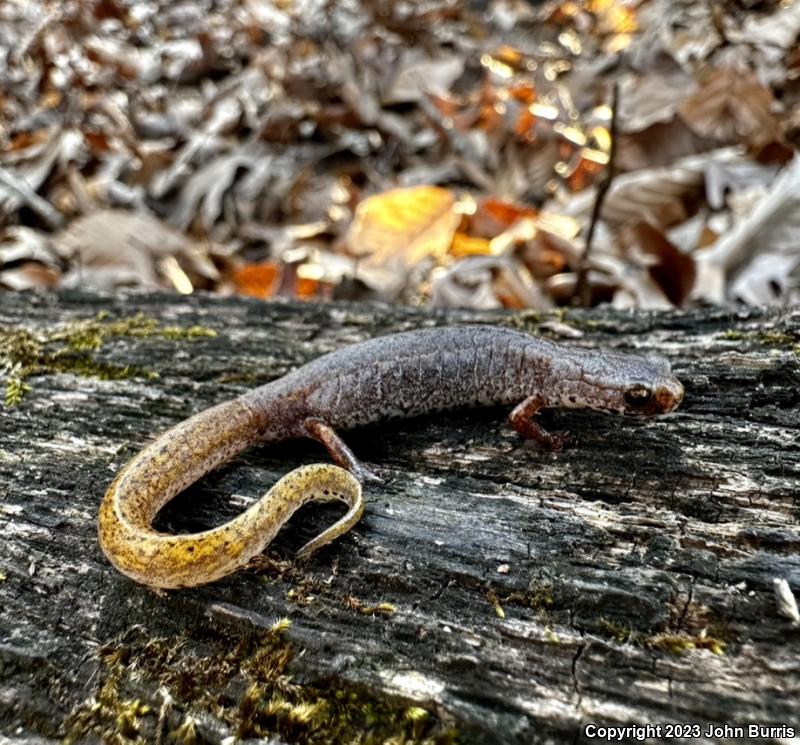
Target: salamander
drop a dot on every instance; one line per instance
(401, 375)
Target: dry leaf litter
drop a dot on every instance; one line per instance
(430, 152)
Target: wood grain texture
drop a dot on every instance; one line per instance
(606, 559)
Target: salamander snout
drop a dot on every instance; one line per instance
(660, 398)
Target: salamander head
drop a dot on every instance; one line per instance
(645, 386)
(624, 383)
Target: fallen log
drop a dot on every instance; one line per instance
(492, 592)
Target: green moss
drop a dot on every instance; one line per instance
(619, 633)
(494, 601)
(193, 332)
(677, 644)
(90, 333)
(674, 642)
(771, 337)
(247, 685)
(552, 636)
(538, 598)
(546, 322)
(779, 338)
(15, 390)
(731, 335)
(527, 319)
(120, 716)
(694, 626)
(68, 349)
(532, 320)
(689, 627)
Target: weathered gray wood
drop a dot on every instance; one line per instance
(607, 560)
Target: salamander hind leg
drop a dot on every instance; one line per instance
(341, 454)
(521, 419)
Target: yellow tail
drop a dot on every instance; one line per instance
(178, 458)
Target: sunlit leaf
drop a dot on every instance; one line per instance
(404, 225)
(113, 248)
(465, 245)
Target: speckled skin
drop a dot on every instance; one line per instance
(402, 375)
(419, 372)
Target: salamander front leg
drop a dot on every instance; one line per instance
(521, 419)
(338, 450)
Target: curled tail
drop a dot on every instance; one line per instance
(178, 458)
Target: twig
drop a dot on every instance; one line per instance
(582, 290)
(20, 189)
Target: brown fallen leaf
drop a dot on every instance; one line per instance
(417, 75)
(674, 272)
(732, 107)
(660, 196)
(113, 248)
(29, 276)
(660, 145)
(654, 95)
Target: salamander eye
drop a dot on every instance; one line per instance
(638, 398)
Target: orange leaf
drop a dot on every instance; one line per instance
(467, 245)
(98, 143)
(542, 259)
(490, 118)
(403, 226)
(523, 126)
(495, 216)
(523, 92)
(508, 55)
(51, 99)
(584, 173)
(257, 280)
(306, 288)
(24, 140)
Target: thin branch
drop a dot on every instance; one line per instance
(21, 190)
(582, 290)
